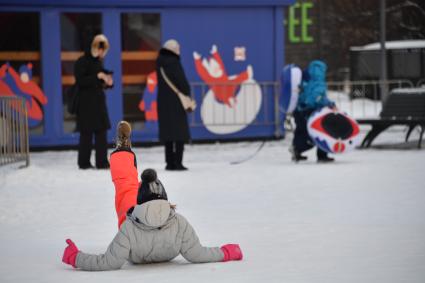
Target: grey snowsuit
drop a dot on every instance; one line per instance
(153, 232)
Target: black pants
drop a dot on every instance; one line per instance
(302, 141)
(174, 153)
(86, 145)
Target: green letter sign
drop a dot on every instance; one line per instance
(295, 35)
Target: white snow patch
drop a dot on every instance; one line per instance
(360, 219)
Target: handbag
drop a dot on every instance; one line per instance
(73, 99)
(187, 102)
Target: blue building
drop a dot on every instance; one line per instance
(42, 39)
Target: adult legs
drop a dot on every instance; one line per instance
(84, 150)
(174, 155)
(179, 149)
(169, 155)
(101, 146)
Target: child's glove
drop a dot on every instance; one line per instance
(231, 252)
(70, 253)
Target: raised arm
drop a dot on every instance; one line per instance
(200, 69)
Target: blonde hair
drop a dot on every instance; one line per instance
(97, 40)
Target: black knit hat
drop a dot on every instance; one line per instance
(151, 188)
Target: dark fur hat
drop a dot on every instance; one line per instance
(151, 188)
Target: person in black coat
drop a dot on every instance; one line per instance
(92, 113)
(172, 118)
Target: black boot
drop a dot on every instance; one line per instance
(325, 159)
(295, 155)
(322, 156)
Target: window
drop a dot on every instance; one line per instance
(141, 40)
(20, 67)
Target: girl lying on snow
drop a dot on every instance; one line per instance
(152, 231)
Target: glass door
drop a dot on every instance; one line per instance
(141, 40)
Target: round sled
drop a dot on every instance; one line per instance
(333, 131)
(290, 80)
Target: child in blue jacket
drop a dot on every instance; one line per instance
(312, 97)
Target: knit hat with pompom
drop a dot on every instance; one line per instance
(151, 188)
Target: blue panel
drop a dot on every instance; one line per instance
(279, 42)
(279, 62)
(146, 3)
(111, 28)
(198, 29)
(51, 76)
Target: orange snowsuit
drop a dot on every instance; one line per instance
(125, 178)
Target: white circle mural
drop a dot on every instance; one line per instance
(231, 103)
(220, 118)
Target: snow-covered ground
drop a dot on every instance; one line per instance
(360, 219)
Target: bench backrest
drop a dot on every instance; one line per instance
(404, 106)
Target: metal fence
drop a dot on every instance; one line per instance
(421, 83)
(361, 99)
(14, 144)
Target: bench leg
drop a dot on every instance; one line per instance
(411, 128)
(373, 133)
(421, 135)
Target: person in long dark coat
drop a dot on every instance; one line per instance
(92, 114)
(172, 118)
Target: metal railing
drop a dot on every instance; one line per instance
(421, 83)
(14, 144)
(361, 99)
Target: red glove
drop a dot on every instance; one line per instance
(70, 253)
(231, 252)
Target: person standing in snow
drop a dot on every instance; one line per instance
(312, 97)
(153, 232)
(172, 117)
(92, 79)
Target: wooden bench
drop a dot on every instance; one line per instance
(401, 108)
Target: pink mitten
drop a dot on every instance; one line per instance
(231, 252)
(70, 253)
